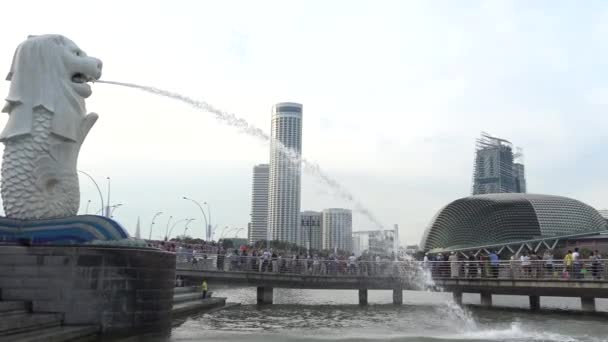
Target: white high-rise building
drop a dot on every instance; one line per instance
(258, 229)
(284, 193)
(338, 229)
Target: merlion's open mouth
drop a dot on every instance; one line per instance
(81, 78)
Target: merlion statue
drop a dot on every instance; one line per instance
(47, 125)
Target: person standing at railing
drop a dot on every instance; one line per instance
(453, 259)
(494, 264)
(535, 264)
(220, 260)
(548, 261)
(275, 262)
(526, 265)
(352, 259)
(471, 266)
(595, 264)
(568, 262)
(576, 261)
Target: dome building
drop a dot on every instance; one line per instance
(490, 219)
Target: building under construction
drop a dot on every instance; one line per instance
(497, 169)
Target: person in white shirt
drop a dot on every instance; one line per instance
(352, 260)
(525, 264)
(576, 260)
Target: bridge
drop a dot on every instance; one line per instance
(534, 279)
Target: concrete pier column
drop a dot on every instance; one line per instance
(486, 299)
(398, 296)
(534, 303)
(588, 304)
(457, 296)
(264, 295)
(362, 296)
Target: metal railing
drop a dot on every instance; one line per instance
(583, 270)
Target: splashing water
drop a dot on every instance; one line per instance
(240, 123)
(422, 278)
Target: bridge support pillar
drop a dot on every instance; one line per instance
(486, 299)
(588, 304)
(457, 296)
(398, 296)
(362, 296)
(534, 303)
(264, 295)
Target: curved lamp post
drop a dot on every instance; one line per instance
(108, 214)
(210, 224)
(167, 229)
(186, 226)
(226, 230)
(114, 208)
(237, 232)
(168, 234)
(152, 224)
(204, 215)
(111, 208)
(96, 185)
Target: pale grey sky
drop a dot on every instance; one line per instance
(394, 94)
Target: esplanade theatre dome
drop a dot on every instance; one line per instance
(497, 218)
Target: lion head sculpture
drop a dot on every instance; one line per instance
(49, 71)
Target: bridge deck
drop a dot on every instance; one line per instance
(509, 286)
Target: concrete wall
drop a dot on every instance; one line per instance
(116, 288)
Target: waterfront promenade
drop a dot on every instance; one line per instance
(536, 279)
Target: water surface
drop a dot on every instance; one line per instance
(333, 315)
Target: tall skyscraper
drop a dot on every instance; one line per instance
(311, 225)
(284, 200)
(494, 170)
(338, 229)
(258, 229)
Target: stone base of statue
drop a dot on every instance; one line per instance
(118, 289)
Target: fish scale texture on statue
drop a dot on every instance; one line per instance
(46, 127)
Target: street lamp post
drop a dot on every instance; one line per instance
(168, 235)
(206, 232)
(111, 209)
(210, 224)
(96, 185)
(237, 232)
(152, 224)
(86, 211)
(186, 226)
(114, 208)
(167, 228)
(108, 204)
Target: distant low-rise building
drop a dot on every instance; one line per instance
(311, 227)
(337, 229)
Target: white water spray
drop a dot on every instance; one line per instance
(420, 275)
(294, 157)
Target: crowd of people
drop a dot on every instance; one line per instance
(523, 264)
(299, 263)
(526, 264)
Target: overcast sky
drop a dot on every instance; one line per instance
(394, 94)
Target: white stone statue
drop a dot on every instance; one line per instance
(46, 127)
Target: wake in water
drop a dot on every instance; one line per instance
(240, 123)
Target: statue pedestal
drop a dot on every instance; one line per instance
(118, 289)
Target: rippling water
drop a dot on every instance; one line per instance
(332, 315)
